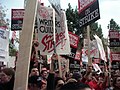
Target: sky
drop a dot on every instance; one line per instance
(108, 9)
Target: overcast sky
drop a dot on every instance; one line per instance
(108, 9)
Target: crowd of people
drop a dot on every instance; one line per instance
(51, 80)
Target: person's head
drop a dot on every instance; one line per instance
(77, 76)
(58, 82)
(116, 82)
(34, 82)
(6, 75)
(44, 74)
(70, 75)
(75, 86)
(56, 73)
(71, 80)
(34, 72)
(95, 74)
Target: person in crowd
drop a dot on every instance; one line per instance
(58, 83)
(34, 72)
(34, 80)
(94, 81)
(116, 83)
(44, 75)
(75, 86)
(34, 83)
(76, 76)
(7, 76)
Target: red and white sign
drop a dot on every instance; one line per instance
(78, 55)
(18, 13)
(4, 45)
(74, 39)
(114, 34)
(100, 47)
(83, 4)
(115, 56)
(93, 53)
(45, 32)
(17, 16)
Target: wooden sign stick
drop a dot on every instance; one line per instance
(88, 38)
(59, 66)
(22, 66)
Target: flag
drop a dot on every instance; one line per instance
(100, 48)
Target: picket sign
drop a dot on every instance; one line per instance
(88, 37)
(26, 37)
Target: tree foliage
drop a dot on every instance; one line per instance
(113, 25)
(12, 49)
(4, 22)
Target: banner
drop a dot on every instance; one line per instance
(4, 45)
(74, 39)
(93, 44)
(56, 5)
(100, 47)
(115, 56)
(89, 11)
(114, 38)
(94, 52)
(45, 32)
(17, 19)
(83, 4)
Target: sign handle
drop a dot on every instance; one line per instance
(26, 37)
(88, 38)
(54, 37)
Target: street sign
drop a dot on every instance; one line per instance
(88, 12)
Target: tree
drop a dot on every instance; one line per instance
(3, 21)
(12, 49)
(113, 25)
